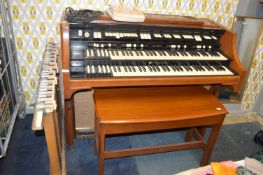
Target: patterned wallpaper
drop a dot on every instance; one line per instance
(255, 79)
(37, 21)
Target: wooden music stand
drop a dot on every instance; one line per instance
(130, 110)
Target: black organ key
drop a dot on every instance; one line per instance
(179, 66)
(207, 66)
(150, 52)
(154, 53)
(146, 52)
(206, 54)
(151, 68)
(175, 52)
(173, 67)
(95, 53)
(189, 53)
(118, 68)
(160, 53)
(125, 69)
(133, 69)
(112, 52)
(167, 68)
(139, 67)
(163, 53)
(129, 67)
(169, 53)
(164, 68)
(114, 68)
(123, 52)
(143, 67)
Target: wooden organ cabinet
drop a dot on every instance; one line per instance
(162, 51)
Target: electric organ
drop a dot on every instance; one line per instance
(162, 51)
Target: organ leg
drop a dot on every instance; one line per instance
(70, 120)
(215, 90)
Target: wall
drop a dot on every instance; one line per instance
(37, 21)
(255, 78)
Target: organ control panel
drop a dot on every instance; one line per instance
(142, 51)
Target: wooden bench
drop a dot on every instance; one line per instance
(129, 110)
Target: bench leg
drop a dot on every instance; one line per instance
(95, 146)
(189, 135)
(208, 148)
(202, 131)
(101, 149)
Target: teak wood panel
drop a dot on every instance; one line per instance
(155, 103)
(71, 86)
(228, 46)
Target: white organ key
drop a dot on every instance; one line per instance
(167, 35)
(222, 57)
(87, 53)
(108, 68)
(79, 32)
(157, 35)
(99, 69)
(92, 69)
(149, 36)
(142, 36)
(188, 36)
(103, 69)
(99, 34)
(176, 36)
(198, 38)
(207, 37)
(173, 54)
(214, 37)
(145, 36)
